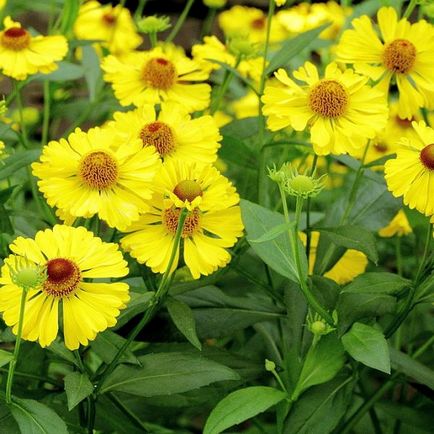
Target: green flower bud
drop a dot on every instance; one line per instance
(215, 4)
(318, 327)
(26, 274)
(270, 366)
(242, 47)
(153, 24)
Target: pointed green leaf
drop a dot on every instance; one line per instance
(241, 405)
(368, 345)
(77, 388)
(5, 357)
(274, 232)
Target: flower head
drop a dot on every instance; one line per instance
(403, 51)
(153, 24)
(22, 54)
(161, 74)
(216, 4)
(341, 111)
(213, 222)
(302, 185)
(398, 226)
(411, 173)
(69, 257)
(98, 172)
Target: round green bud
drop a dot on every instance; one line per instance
(242, 47)
(270, 366)
(27, 277)
(302, 184)
(318, 327)
(216, 4)
(153, 24)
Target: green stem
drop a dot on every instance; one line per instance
(262, 180)
(398, 255)
(46, 119)
(23, 129)
(153, 304)
(133, 417)
(208, 22)
(139, 11)
(410, 8)
(425, 253)
(308, 231)
(153, 39)
(34, 377)
(90, 414)
(10, 379)
(180, 21)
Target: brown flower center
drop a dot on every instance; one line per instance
(328, 98)
(427, 156)
(191, 223)
(188, 190)
(15, 38)
(109, 19)
(159, 73)
(258, 23)
(98, 170)
(404, 123)
(381, 147)
(63, 277)
(399, 56)
(160, 135)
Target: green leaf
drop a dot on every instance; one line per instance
(77, 388)
(241, 405)
(274, 232)
(183, 318)
(377, 283)
(323, 361)
(92, 70)
(353, 237)
(319, 409)
(69, 15)
(276, 253)
(367, 345)
(136, 305)
(414, 369)
(6, 193)
(36, 418)
(292, 47)
(5, 221)
(8, 423)
(167, 373)
(65, 72)
(5, 357)
(234, 150)
(17, 161)
(108, 343)
(60, 350)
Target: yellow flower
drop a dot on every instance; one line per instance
(2, 4)
(70, 256)
(22, 54)
(399, 226)
(350, 265)
(306, 16)
(158, 75)
(221, 118)
(251, 23)
(411, 173)
(212, 48)
(112, 25)
(98, 172)
(173, 133)
(246, 106)
(279, 2)
(404, 53)
(213, 223)
(341, 110)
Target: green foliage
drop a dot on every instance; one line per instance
(77, 388)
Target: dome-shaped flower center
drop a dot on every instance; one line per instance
(109, 19)
(302, 184)
(15, 38)
(258, 23)
(399, 56)
(328, 98)
(160, 135)
(404, 123)
(159, 73)
(191, 223)
(98, 170)
(381, 147)
(188, 190)
(427, 156)
(63, 277)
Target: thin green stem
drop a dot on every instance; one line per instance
(153, 304)
(23, 129)
(46, 118)
(139, 11)
(180, 21)
(34, 377)
(262, 180)
(423, 348)
(410, 8)
(132, 416)
(308, 203)
(425, 253)
(91, 414)
(208, 22)
(279, 380)
(13, 362)
(153, 39)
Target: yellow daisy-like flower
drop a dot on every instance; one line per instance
(69, 256)
(250, 23)
(247, 106)
(22, 54)
(172, 132)
(112, 25)
(405, 52)
(98, 172)
(158, 75)
(399, 226)
(213, 223)
(341, 110)
(350, 265)
(307, 16)
(411, 173)
(212, 48)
